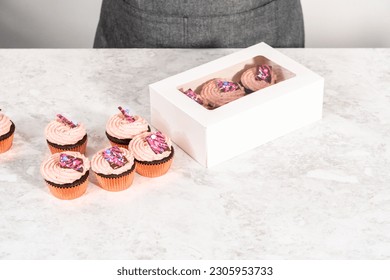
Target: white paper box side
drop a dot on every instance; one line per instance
(264, 123)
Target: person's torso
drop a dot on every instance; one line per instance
(199, 23)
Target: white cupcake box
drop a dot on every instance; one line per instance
(214, 136)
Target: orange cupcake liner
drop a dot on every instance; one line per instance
(68, 193)
(81, 149)
(118, 145)
(116, 184)
(153, 170)
(6, 143)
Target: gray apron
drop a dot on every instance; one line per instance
(199, 23)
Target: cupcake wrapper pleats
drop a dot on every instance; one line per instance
(153, 170)
(116, 184)
(69, 193)
(81, 148)
(6, 144)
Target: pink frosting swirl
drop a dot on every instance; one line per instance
(5, 124)
(118, 127)
(100, 165)
(214, 97)
(59, 133)
(53, 172)
(142, 150)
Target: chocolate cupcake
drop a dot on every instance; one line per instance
(258, 77)
(218, 92)
(66, 174)
(123, 127)
(7, 130)
(153, 153)
(65, 135)
(114, 168)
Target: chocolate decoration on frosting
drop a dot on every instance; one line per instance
(263, 73)
(65, 121)
(71, 162)
(126, 114)
(192, 94)
(114, 157)
(226, 86)
(157, 143)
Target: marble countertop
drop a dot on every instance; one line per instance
(322, 192)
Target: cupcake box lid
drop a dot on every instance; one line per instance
(213, 136)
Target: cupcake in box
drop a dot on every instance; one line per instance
(66, 174)
(65, 135)
(218, 92)
(123, 127)
(258, 77)
(7, 130)
(114, 168)
(153, 153)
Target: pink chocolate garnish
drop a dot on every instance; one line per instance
(226, 86)
(263, 73)
(65, 121)
(157, 143)
(115, 157)
(126, 114)
(192, 94)
(71, 162)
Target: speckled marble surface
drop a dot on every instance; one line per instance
(322, 192)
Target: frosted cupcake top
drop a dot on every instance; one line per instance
(219, 92)
(64, 132)
(5, 124)
(112, 160)
(126, 126)
(150, 146)
(258, 77)
(65, 168)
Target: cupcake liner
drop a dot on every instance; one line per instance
(70, 192)
(6, 143)
(119, 145)
(154, 169)
(6, 140)
(124, 143)
(80, 148)
(117, 183)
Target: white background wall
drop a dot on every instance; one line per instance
(48, 23)
(72, 23)
(347, 23)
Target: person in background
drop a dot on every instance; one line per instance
(199, 23)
